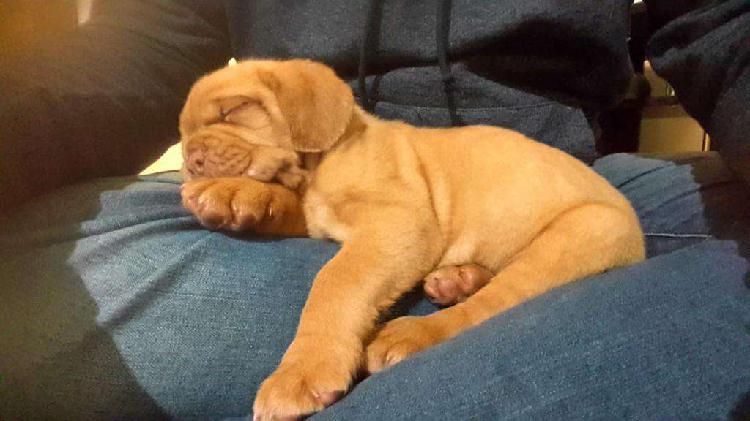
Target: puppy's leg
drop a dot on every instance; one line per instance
(244, 204)
(582, 241)
(449, 285)
(370, 272)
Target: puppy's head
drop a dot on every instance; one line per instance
(254, 118)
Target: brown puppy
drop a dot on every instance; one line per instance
(402, 201)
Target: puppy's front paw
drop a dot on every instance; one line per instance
(449, 285)
(227, 203)
(300, 388)
(400, 338)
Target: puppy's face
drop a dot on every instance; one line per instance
(255, 118)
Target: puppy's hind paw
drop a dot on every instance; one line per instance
(449, 285)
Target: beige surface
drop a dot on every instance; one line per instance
(670, 135)
(171, 160)
(668, 130)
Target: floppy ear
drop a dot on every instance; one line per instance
(316, 104)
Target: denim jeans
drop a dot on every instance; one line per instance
(115, 303)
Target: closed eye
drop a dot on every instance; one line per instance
(247, 114)
(225, 113)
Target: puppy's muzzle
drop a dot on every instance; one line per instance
(209, 156)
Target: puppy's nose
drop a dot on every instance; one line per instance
(196, 161)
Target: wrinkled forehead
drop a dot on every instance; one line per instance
(218, 134)
(202, 105)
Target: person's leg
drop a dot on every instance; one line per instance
(119, 305)
(682, 200)
(115, 303)
(668, 338)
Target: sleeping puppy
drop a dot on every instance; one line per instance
(279, 147)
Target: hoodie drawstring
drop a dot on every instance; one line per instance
(442, 33)
(371, 37)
